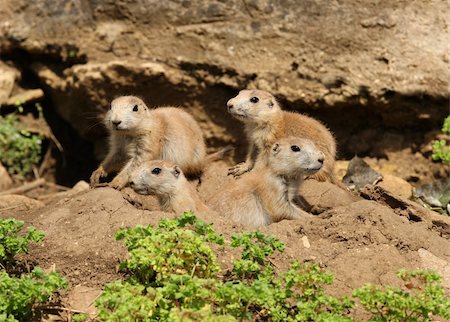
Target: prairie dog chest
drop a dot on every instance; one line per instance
(262, 137)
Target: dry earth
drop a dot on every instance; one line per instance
(376, 72)
(359, 238)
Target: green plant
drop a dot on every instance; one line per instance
(441, 151)
(11, 243)
(79, 317)
(423, 297)
(19, 295)
(20, 150)
(175, 278)
(256, 248)
(155, 253)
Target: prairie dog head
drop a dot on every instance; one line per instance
(158, 177)
(253, 106)
(126, 114)
(295, 156)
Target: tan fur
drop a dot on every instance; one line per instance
(266, 123)
(166, 133)
(174, 192)
(265, 196)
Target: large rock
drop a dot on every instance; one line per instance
(5, 178)
(317, 197)
(341, 55)
(8, 76)
(396, 185)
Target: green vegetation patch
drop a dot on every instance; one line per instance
(174, 276)
(12, 242)
(20, 150)
(19, 295)
(441, 150)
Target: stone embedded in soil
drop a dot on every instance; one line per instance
(8, 76)
(317, 197)
(10, 203)
(396, 185)
(359, 173)
(25, 97)
(82, 298)
(5, 179)
(432, 262)
(80, 186)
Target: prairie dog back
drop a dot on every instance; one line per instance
(183, 139)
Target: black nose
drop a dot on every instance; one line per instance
(116, 122)
(131, 183)
(230, 106)
(320, 160)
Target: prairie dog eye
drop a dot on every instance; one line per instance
(295, 148)
(254, 99)
(156, 171)
(135, 108)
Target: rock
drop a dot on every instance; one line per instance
(82, 298)
(8, 76)
(340, 168)
(25, 97)
(359, 174)
(5, 179)
(317, 197)
(305, 242)
(432, 262)
(396, 185)
(18, 203)
(349, 67)
(80, 186)
(435, 194)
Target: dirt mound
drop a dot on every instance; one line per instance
(358, 241)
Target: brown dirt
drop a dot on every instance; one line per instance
(358, 241)
(368, 69)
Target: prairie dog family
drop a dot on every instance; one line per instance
(154, 149)
(265, 196)
(138, 134)
(166, 180)
(265, 123)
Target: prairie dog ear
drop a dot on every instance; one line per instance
(176, 171)
(275, 149)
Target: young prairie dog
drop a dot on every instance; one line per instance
(166, 180)
(265, 123)
(138, 134)
(265, 196)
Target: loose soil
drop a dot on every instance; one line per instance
(358, 240)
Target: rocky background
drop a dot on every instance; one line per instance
(375, 71)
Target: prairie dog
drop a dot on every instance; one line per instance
(265, 196)
(138, 134)
(166, 180)
(265, 123)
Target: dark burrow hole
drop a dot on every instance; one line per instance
(359, 130)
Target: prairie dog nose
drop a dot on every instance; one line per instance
(116, 122)
(321, 159)
(230, 104)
